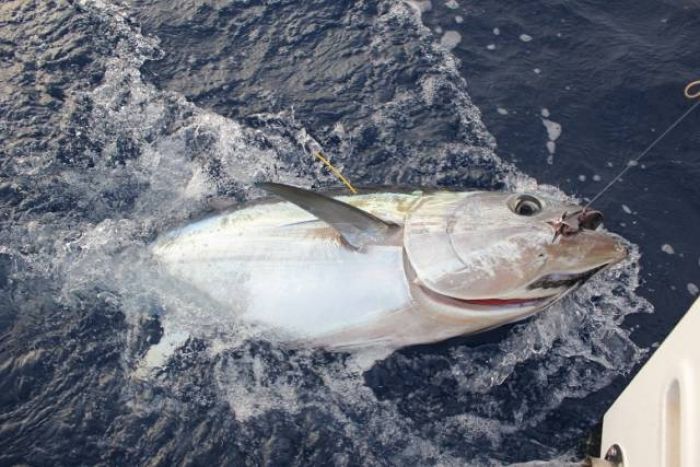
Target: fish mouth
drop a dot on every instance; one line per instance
(563, 282)
(487, 303)
(558, 280)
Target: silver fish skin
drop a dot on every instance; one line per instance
(453, 263)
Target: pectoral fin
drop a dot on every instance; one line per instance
(357, 227)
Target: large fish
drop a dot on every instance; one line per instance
(388, 269)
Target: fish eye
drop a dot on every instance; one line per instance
(526, 205)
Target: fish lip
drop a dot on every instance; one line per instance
(567, 281)
(486, 304)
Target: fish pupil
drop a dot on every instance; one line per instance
(525, 209)
(525, 205)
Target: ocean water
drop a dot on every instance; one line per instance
(119, 120)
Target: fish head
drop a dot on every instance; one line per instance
(490, 250)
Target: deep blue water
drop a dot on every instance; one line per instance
(119, 120)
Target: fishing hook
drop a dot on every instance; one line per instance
(564, 227)
(561, 227)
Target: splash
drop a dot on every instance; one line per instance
(144, 158)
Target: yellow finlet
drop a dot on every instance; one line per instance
(335, 171)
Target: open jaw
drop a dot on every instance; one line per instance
(557, 280)
(558, 283)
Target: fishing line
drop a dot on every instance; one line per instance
(691, 91)
(688, 92)
(336, 172)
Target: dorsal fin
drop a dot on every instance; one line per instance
(357, 227)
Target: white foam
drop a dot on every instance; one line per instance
(553, 129)
(450, 39)
(668, 249)
(553, 133)
(525, 37)
(551, 147)
(159, 354)
(420, 6)
(428, 86)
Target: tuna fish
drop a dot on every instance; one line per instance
(387, 268)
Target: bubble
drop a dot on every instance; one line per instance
(551, 147)
(450, 39)
(553, 129)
